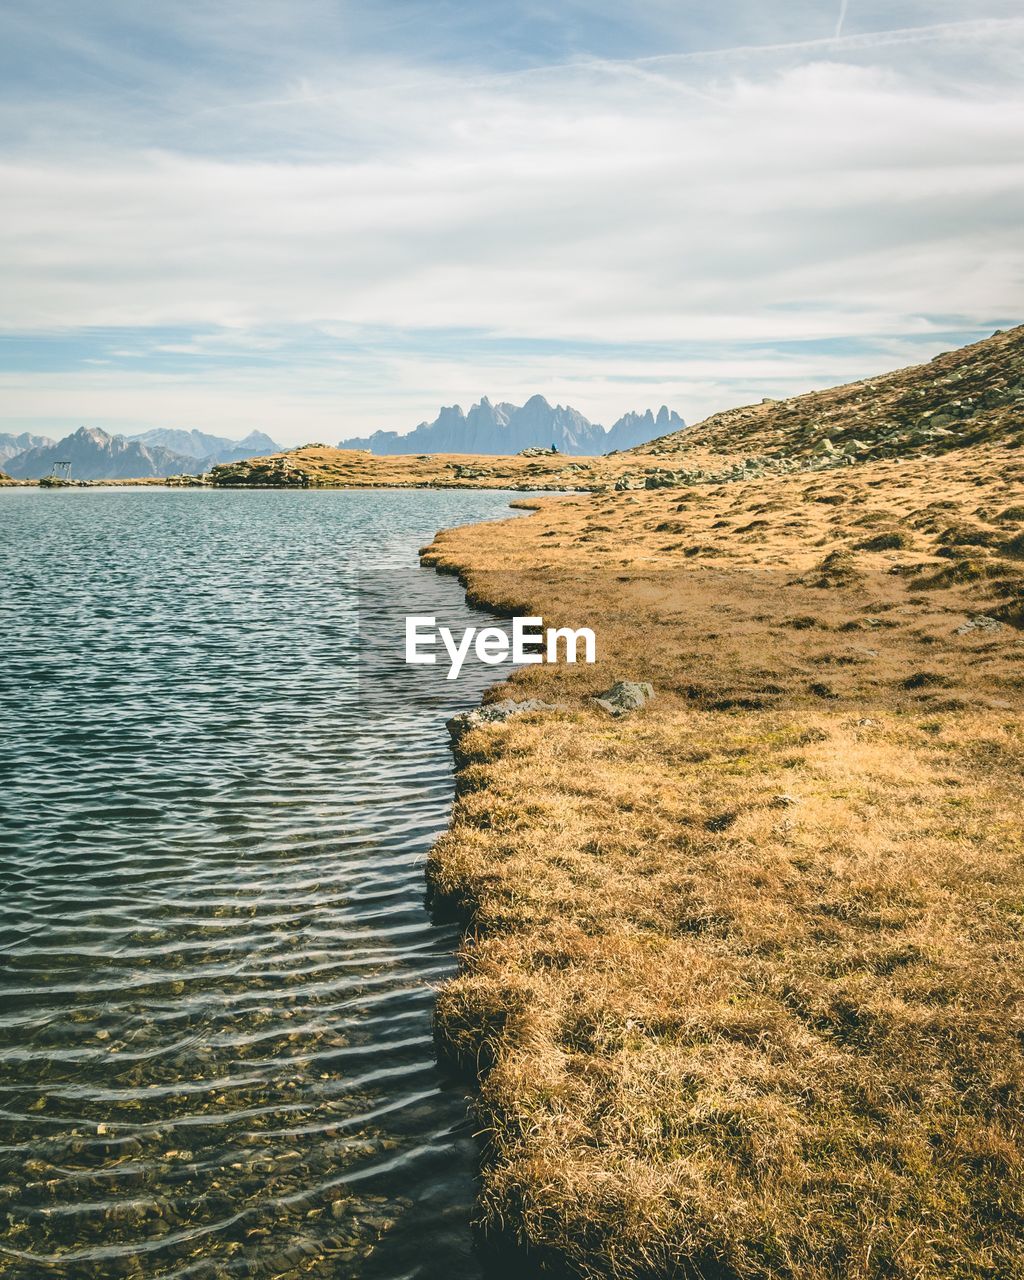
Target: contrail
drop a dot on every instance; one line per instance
(843, 6)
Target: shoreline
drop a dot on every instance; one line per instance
(521, 864)
(740, 968)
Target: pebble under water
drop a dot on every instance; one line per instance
(217, 791)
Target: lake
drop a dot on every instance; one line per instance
(218, 787)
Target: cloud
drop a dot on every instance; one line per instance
(867, 188)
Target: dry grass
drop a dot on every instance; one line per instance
(744, 973)
(962, 398)
(324, 467)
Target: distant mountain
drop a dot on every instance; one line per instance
(637, 428)
(11, 446)
(207, 449)
(506, 428)
(95, 455)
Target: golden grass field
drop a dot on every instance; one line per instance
(321, 466)
(744, 973)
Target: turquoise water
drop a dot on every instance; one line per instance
(216, 958)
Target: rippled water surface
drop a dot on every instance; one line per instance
(216, 960)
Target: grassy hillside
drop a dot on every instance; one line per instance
(959, 399)
(745, 976)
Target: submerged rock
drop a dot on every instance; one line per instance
(625, 696)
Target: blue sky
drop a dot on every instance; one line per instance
(322, 218)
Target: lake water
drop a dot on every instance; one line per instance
(217, 791)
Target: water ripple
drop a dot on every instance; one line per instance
(215, 959)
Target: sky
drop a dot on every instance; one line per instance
(321, 218)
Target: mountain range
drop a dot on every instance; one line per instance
(488, 428)
(505, 428)
(11, 445)
(96, 455)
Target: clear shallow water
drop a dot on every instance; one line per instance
(216, 961)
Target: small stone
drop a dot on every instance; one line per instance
(624, 696)
(980, 622)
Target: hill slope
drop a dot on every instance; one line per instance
(960, 398)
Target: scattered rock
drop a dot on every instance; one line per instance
(261, 473)
(624, 696)
(493, 713)
(981, 622)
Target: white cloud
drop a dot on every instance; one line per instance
(362, 392)
(848, 192)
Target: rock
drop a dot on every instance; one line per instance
(624, 696)
(980, 622)
(271, 473)
(493, 713)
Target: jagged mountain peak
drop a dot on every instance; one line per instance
(505, 428)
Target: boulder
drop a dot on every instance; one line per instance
(625, 696)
